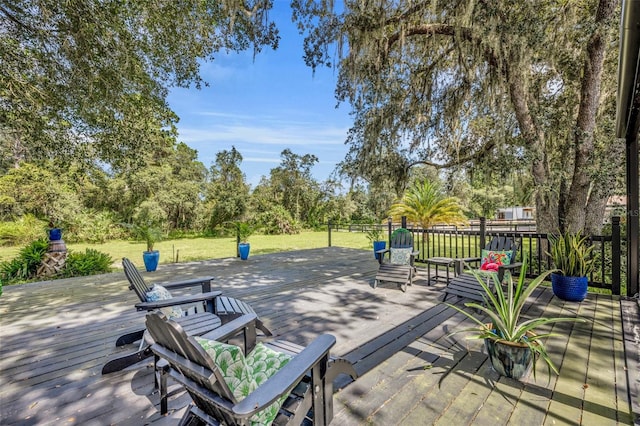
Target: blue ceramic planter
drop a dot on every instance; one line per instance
(243, 248)
(572, 289)
(55, 234)
(378, 245)
(151, 259)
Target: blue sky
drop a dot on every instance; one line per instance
(264, 105)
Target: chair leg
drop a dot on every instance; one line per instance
(161, 373)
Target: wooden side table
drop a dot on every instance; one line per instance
(447, 262)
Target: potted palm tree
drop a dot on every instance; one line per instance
(571, 254)
(513, 344)
(150, 235)
(243, 232)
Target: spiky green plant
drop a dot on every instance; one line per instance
(572, 254)
(504, 312)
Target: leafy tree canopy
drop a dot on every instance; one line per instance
(492, 86)
(88, 79)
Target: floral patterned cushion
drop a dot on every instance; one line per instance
(232, 365)
(400, 256)
(264, 362)
(158, 292)
(492, 260)
(244, 375)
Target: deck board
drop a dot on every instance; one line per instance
(55, 336)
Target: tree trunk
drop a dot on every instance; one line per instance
(546, 200)
(578, 200)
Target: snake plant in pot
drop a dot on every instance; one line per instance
(572, 256)
(512, 343)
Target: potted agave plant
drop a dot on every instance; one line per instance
(572, 255)
(513, 344)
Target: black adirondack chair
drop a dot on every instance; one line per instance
(225, 308)
(307, 380)
(400, 273)
(466, 285)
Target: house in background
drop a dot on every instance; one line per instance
(515, 213)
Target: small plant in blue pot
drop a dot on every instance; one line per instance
(243, 232)
(571, 253)
(376, 238)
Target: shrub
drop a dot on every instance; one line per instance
(278, 221)
(25, 265)
(90, 262)
(94, 227)
(22, 231)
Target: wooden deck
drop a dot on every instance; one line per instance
(55, 336)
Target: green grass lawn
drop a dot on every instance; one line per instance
(190, 249)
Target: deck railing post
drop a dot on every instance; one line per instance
(404, 222)
(615, 255)
(483, 229)
(329, 227)
(390, 229)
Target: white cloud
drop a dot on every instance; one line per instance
(286, 134)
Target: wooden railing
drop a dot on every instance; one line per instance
(462, 243)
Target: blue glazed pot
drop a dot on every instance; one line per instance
(55, 234)
(572, 289)
(378, 245)
(243, 248)
(151, 259)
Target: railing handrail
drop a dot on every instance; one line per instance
(468, 243)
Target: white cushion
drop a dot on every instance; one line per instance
(400, 256)
(157, 293)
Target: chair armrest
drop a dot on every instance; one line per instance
(232, 328)
(178, 300)
(380, 254)
(511, 266)
(204, 282)
(288, 377)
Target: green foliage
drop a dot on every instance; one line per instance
(468, 85)
(56, 96)
(572, 254)
(243, 231)
(504, 312)
(93, 227)
(90, 262)
(425, 204)
(26, 228)
(25, 265)
(375, 234)
(227, 193)
(37, 190)
(277, 221)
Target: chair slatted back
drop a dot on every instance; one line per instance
(401, 238)
(136, 282)
(185, 355)
(502, 243)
